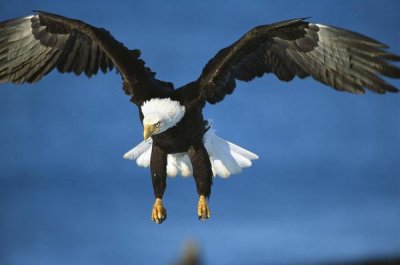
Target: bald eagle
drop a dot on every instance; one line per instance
(177, 138)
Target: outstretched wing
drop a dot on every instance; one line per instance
(30, 47)
(339, 58)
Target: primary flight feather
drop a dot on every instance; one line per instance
(177, 138)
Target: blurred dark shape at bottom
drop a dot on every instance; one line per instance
(191, 254)
(370, 261)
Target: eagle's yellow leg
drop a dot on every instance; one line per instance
(202, 208)
(159, 213)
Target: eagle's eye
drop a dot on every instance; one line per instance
(157, 124)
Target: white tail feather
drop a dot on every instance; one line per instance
(226, 158)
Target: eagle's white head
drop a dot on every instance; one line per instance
(160, 114)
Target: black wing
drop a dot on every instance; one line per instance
(30, 47)
(339, 58)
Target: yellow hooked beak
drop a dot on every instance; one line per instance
(149, 130)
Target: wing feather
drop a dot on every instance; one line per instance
(342, 59)
(30, 47)
(94, 61)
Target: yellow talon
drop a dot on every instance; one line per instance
(159, 213)
(202, 208)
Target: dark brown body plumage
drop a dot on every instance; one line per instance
(186, 136)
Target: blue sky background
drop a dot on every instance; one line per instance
(326, 187)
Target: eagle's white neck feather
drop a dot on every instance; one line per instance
(164, 110)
